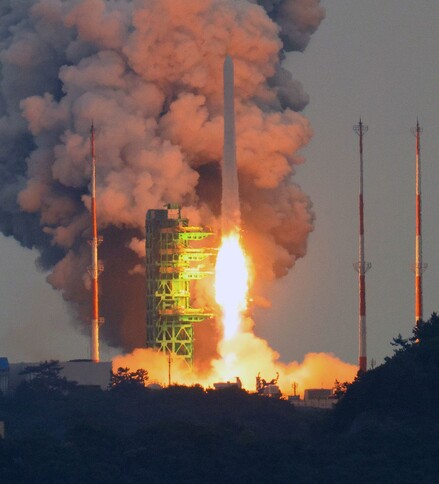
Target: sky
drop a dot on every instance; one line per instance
(378, 60)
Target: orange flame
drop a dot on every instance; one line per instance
(231, 283)
(241, 352)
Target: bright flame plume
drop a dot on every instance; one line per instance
(241, 352)
(231, 283)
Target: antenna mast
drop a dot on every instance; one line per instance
(361, 266)
(95, 265)
(418, 267)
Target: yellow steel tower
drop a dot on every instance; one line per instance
(171, 265)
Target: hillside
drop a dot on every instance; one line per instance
(384, 429)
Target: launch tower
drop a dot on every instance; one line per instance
(171, 265)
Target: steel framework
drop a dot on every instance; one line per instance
(96, 265)
(171, 265)
(361, 266)
(419, 267)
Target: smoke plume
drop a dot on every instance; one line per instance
(237, 358)
(149, 75)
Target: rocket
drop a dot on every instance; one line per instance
(230, 211)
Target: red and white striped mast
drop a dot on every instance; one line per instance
(95, 269)
(419, 267)
(361, 266)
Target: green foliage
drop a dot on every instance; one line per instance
(189, 435)
(44, 370)
(400, 343)
(340, 389)
(427, 331)
(424, 333)
(126, 380)
(45, 377)
(406, 385)
(385, 424)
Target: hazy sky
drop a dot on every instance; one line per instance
(377, 59)
(380, 60)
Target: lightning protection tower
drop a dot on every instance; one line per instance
(96, 266)
(418, 267)
(361, 266)
(171, 265)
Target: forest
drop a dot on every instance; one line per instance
(384, 428)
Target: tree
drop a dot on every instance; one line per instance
(400, 343)
(125, 379)
(339, 389)
(46, 377)
(405, 385)
(426, 330)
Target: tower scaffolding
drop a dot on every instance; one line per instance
(171, 265)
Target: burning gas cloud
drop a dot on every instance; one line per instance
(149, 74)
(247, 355)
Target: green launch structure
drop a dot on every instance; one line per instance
(171, 265)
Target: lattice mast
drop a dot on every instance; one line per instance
(95, 267)
(361, 266)
(419, 267)
(171, 265)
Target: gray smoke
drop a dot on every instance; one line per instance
(149, 74)
(297, 19)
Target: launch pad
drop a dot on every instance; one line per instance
(171, 265)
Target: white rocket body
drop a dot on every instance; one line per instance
(230, 210)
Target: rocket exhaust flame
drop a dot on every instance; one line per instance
(241, 353)
(231, 274)
(246, 356)
(231, 283)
